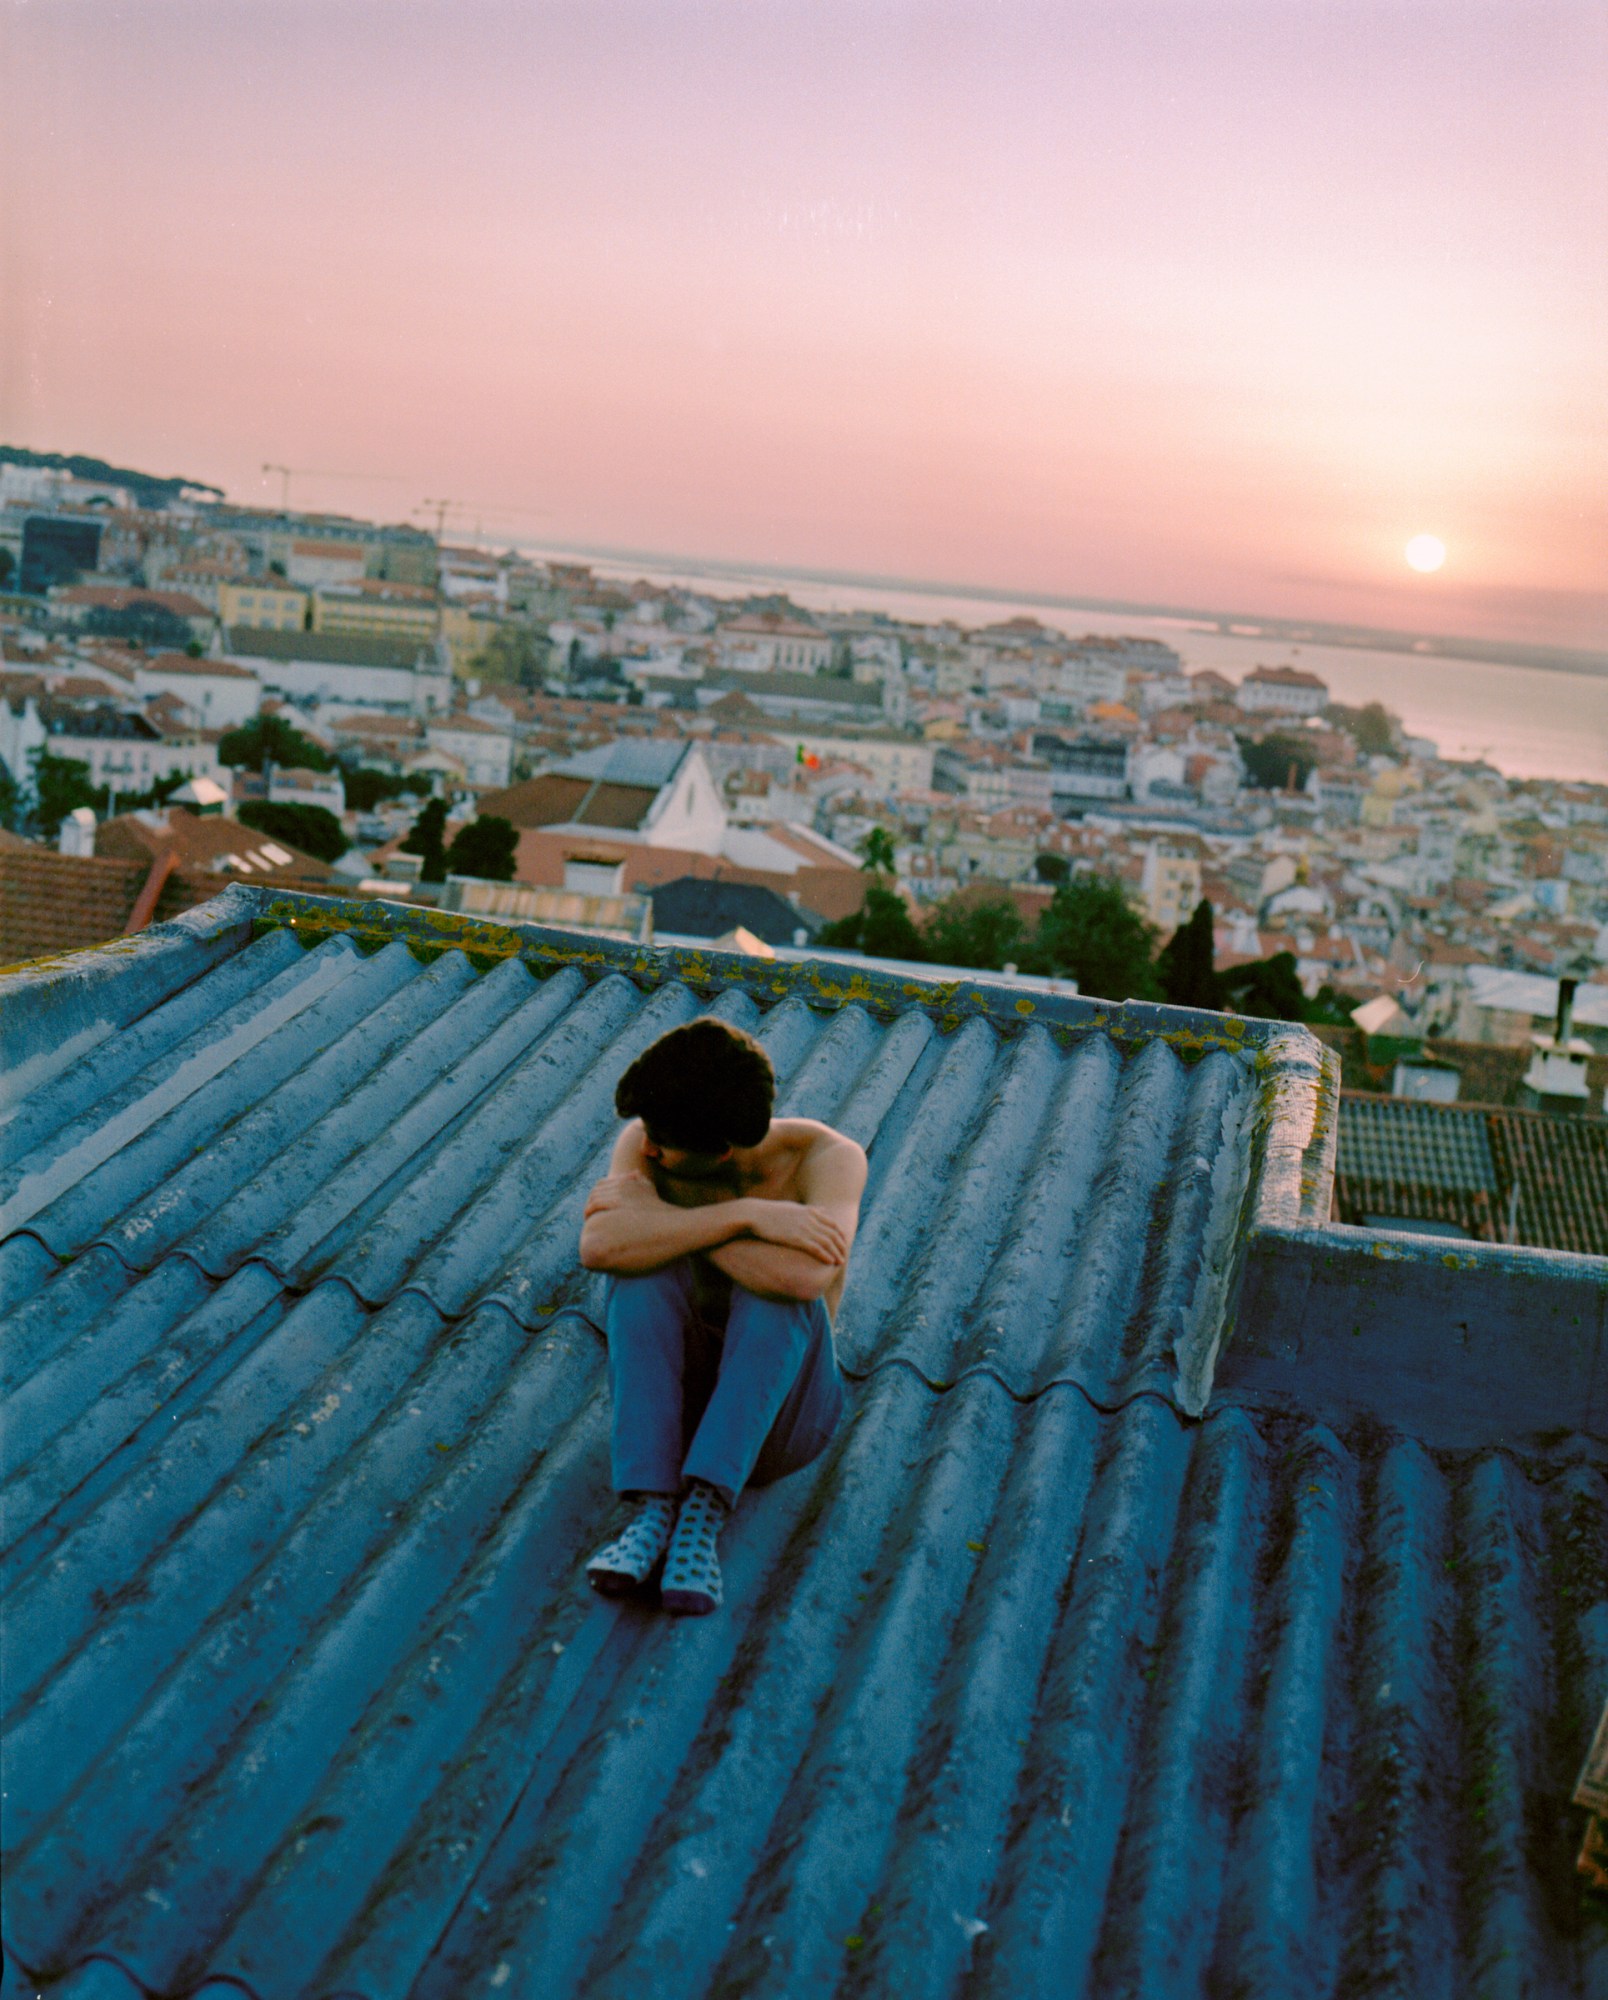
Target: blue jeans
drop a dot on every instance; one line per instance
(734, 1407)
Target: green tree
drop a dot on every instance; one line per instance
(1329, 1007)
(10, 802)
(427, 838)
(1052, 867)
(314, 829)
(1268, 989)
(8, 563)
(515, 655)
(881, 927)
(1372, 728)
(61, 786)
(1185, 967)
(270, 739)
(366, 787)
(987, 933)
(1271, 763)
(485, 847)
(876, 851)
(1092, 933)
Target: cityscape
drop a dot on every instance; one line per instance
(222, 693)
(804, 1001)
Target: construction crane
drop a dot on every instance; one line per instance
(289, 472)
(442, 508)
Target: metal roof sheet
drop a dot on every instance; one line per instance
(409, 1126)
(1012, 1693)
(650, 760)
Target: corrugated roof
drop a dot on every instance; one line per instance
(1035, 1683)
(402, 1126)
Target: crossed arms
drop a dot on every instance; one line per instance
(777, 1249)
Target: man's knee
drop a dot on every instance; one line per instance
(646, 1298)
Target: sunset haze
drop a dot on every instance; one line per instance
(1211, 306)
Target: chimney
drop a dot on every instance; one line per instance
(77, 835)
(1565, 1022)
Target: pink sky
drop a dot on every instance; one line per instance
(1204, 304)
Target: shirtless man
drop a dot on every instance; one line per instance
(725, 1234)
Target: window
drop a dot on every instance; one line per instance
(594, 878)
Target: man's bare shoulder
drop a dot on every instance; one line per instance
(807, 1136)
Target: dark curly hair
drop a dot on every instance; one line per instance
(701, 1088)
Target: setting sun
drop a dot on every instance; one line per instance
(1426, 553)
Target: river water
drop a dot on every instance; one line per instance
(1530, 722)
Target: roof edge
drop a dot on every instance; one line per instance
(54, 1010)
(1460, 1344)
(1191, 1032)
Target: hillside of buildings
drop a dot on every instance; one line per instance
(192, 692)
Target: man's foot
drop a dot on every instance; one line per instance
(690, 1585)
(626, 1563)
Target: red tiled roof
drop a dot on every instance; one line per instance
(556, 800)
(201, 841)
(52, 903)
(1545, 1178)
(113, 597)
(1285, 677)
(181, 663)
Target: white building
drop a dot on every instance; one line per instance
(344, 672)
(485, 751)
(876, 656)
(1083, 678)
(760, 642)
(1282, 691)
(128, 753)
(220, 694)
(896, 763)
(314, 562)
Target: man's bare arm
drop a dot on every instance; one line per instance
(628, 1228)
(801, 1259)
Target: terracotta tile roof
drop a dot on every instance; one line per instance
(52, 903)
(202, 845)
(181, 663)
(114, 597)
(1498, 1174)
(554, 799)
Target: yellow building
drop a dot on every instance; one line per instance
(1378, 806)
(374, 609)
(262, 603)
(466, 633)
(1170, 884)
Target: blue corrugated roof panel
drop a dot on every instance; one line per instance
(1036, 1683)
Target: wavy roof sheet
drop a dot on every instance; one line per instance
(1036, 1682)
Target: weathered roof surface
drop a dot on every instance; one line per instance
(1490, 1171)
(346, 649)
(1398, 1139)
(561, 799)
(411, 1127)
(1034, 1683)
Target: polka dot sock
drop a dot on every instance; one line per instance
(629, 1560)
(690, 1585)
